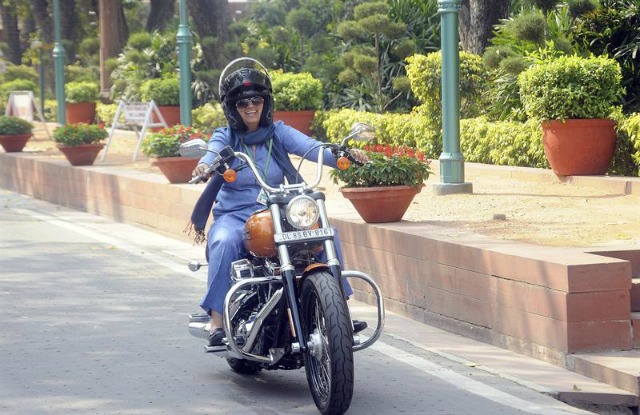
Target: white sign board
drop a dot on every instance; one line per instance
(137, 116)
(22, 104)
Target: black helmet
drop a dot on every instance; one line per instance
(246, 83)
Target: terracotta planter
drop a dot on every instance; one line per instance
(300, 120)
(381, 204)
(176, 169)
(579, 147)
(81, 112)
(81, 155)
(170, 113)
(14, 143)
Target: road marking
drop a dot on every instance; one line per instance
(467, 384)
(165, 260)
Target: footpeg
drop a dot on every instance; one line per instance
(215, 349)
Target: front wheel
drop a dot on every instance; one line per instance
(329, 358)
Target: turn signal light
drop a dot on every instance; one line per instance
(230, 175)
(343, 163)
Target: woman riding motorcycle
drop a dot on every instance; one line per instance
(247, 102)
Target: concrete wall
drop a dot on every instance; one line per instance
(541, 301)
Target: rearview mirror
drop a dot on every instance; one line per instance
(360, 132)
(193, 149)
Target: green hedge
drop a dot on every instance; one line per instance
(415, 130)
(508, 143)
(627, 157)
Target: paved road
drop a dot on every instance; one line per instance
(93, 322)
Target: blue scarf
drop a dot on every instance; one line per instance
(203, 206)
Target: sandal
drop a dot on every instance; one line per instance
(215, 338)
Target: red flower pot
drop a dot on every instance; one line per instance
(176, 169)
(381, 204)
(14, 143)
(81, 112)
(579, 147)
(81, 155)
(300, 120)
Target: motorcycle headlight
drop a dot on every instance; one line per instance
(302, 212)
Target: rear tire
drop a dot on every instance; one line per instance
(244, 367)
(329, 358)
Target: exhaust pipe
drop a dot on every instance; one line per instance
(199, 325)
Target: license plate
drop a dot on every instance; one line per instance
(304, 236)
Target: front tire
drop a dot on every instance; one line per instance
(329, 358)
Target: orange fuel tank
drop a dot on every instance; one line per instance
(258, 235)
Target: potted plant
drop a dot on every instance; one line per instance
(382, 189)
(81, 98)
(165, 92)
(296, 98)
(164, 145)
(14, 133)
(574, 98)
(80, 142)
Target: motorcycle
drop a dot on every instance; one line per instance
(286, 309)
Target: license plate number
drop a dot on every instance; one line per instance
(304, 236)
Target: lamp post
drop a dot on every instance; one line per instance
(37, 44)
(58, 64)
(451, 160)
(183, 40)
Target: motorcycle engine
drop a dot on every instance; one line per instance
(241, 269)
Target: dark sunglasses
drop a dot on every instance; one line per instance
(244, 103)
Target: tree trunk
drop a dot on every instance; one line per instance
(11, 33)
(476, 21)
(113, 36)
(44, 20)
(160, 15)
(70, 28)
(211, 22)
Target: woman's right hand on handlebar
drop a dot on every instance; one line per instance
(200, 170)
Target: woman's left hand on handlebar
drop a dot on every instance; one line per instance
(200, 170)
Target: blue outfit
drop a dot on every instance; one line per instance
(236, 201)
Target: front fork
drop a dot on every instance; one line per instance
(289, 280)
(288, 273)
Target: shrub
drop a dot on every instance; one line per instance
(76, 92)
(17, 85)
(425, 74)
(571, 87)
(296, 91)
(387, 166)
(70, 135)
(139, 40)
(508, 143)
(14, 126)
(166, 142)
(418, 129)
(209, 117)
(20, 72)
(163, 91)
(50, 110)
(77, 73)
(626, 160)
(105, 113)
